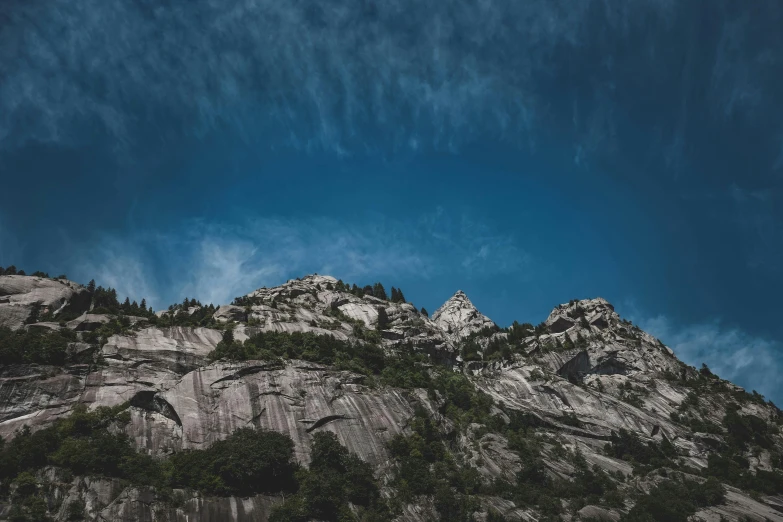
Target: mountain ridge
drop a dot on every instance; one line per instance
(584, 387)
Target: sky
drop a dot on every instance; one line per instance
(526, 152)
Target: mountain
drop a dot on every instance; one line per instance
(321, 400)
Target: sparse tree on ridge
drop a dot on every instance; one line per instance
(379, 291)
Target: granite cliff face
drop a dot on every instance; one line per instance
(579, 378)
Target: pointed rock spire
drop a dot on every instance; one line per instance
(458, 317)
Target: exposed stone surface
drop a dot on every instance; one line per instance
(458, 318)
(226, 313)
(20, 294)
(311, 304)
(88, 322)
(598, 513)
(590, 374)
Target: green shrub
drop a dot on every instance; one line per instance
(627, 445)
(335, 478)
(35, 346)
(675, 501)
(361, 357)
(248, 462)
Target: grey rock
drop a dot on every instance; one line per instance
(20, 294)
(88, 322)
(179, 399)
(598, 513)
(43, 327)
(458, 317)
(226, 313)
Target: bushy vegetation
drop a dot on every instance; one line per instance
(35, 346)
(189, 313)
(81, 443)
(334, 479)
(248, 462)
(675, 500)
(494, 347)
(425, 466)
(363, 358)
(645, 455)
(104, 301)
(375, 290)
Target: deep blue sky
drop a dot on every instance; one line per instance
(525, 152)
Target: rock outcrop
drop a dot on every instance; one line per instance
(580, 380)
(458, 318)
(23, 296)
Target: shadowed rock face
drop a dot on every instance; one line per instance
(178, 399)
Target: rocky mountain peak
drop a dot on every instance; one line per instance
(458, 317)
(362, 367)
(596, 312)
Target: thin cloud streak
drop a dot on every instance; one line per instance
(317, 76)
(215, 263)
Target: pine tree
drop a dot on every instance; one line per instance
(400, 296)
(91, 286)
(21, 272)
(11, 270)
(126, 305)
(424, 312)
(367, 290)
(143, 305)
(379, 291)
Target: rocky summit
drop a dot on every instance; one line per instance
(322, 400)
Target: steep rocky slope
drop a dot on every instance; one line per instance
(530, 418)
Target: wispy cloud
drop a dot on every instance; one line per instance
(754, 363)
(317, 75)
(216, 262)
